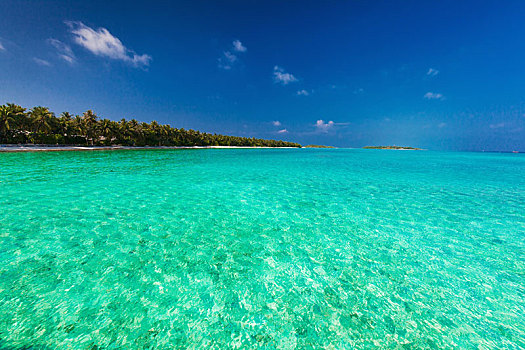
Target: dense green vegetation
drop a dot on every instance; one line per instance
(40, 126)
(392, 147)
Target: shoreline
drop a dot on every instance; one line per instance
(43, 148)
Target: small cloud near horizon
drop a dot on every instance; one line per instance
(325, 127)
(41, 62)
(321, 126)
(276, 123)
(433, 96)
(63, 50)
(2, 48)
(101, 42)
(281, 77)
(238, 46)
(497, 126)
(432, 72)
(302, 93)
(282, 131)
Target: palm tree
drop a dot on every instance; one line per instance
(9, 114)
(135, 130)
(164, 134)
(155, 130)
(65, 123)
(123, 130)
(6, 120)
(89, 120)
(106, 129)
(41, 119)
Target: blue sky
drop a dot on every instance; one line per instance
(435, 74)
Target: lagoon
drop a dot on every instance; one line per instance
(269, 248)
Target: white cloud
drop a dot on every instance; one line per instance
(433, 96)
(497, 126)
(238, 46)
(279, 76)
(227, 60)
(2, 48)
(302, 93)
(442, 125)
(282, 131)
(432, 72)
(63, 50)
(324, 127)
(41, 62)
(102, 43)
(230, 57)
(276, 123)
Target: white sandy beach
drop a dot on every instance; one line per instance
(43, 148)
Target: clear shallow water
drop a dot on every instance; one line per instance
(262, 248)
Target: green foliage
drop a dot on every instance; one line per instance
(11, 116)
(41, 126)
(42, 120)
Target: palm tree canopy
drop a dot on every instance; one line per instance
(41, 118)
(8, 114)
(40, 125)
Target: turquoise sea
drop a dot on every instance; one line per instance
(262, 248)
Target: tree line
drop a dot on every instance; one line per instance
(39, 125)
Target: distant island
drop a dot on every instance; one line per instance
(40, 126)
(318, 146)
(393, 147)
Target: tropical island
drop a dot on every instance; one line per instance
(393, 147)
(318, 146)
(39, 125)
